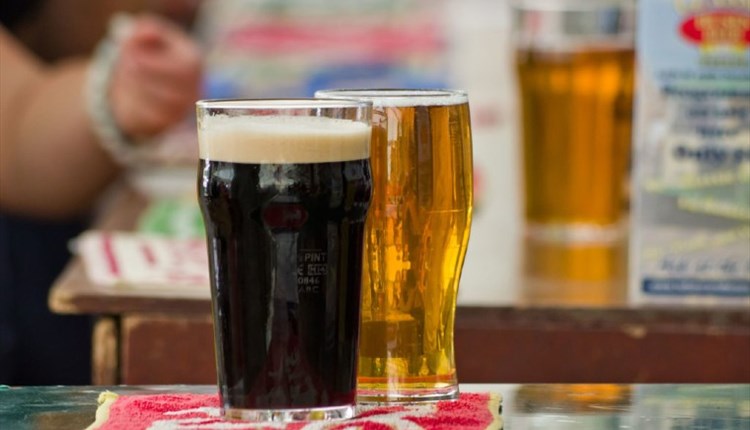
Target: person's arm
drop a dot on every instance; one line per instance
(51, 164)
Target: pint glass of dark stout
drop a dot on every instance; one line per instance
(284, 187)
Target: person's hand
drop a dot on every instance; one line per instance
(156, 79)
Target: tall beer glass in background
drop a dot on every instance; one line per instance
(284, 187)
(574, 63)
(415, 242)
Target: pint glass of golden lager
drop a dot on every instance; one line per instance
(415, 242)
(574, 61)
(284, 187)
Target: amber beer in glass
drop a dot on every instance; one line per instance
(574, 63)
(284, 187)
(415, 242)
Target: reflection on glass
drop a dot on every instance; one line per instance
(570, 406)
(691, 407)
(572, 398)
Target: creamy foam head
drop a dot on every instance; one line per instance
(400, 98)
(282, 139)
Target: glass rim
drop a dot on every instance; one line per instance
(391, 92)
(281, 103)
(572, 25)
(398, 97)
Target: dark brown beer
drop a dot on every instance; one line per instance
(285, 244)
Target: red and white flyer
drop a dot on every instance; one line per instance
(136, 260)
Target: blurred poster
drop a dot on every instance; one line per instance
(291, 48)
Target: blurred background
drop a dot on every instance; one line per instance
(543, 302)
(291, 48)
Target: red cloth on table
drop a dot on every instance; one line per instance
(201, 411)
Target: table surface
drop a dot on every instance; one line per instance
(535, 406)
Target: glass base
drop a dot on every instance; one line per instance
(288, 415)
(407, 395)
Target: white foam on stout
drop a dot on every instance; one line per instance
(405, 98)
(282, 139)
